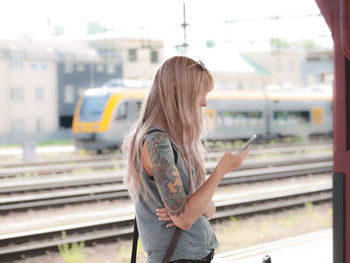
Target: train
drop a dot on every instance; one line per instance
(103, 116)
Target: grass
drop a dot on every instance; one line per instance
(72, 253)
(124, 253)
(66, 142)
(6, 146)
(240, 233)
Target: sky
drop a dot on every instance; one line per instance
(239, 23)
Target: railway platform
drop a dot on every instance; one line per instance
(313, 247)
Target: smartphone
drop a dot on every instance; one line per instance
(248, 143)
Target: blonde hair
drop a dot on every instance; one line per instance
(173, 103)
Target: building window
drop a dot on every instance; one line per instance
(17, 94)
(39, 94)
(111, 68)
(279, 64)
(133, 55)
(291, 65)
(16, 61)
(80, 67)
(100, 68)
(40, 124)
(17, 125)
(154, 56)
(68, 66)
(38, 66)
(68, 96)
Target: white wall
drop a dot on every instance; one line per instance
(30, 108)
(142, 68)
(4, 95)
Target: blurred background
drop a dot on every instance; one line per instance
(51, 51)
(73, 75)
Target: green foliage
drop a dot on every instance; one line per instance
(124, 253)
(235, 224)
(279, 43)
(290, 220)
(308, 206)
(55, 143)
(72, 253)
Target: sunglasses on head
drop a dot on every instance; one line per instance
(200, 63)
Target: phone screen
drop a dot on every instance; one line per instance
(248, 142)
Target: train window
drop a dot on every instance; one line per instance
(138, 108)
(291, 117)
(122, 111)
(239, 118)
(210, 115)
(92, 108)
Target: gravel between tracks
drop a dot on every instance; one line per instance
(37, 219)
(232, 235)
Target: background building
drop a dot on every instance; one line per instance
(317, 67)
(283, 65)
(28, 88)
(140, 57)
(79, 67)
(40, 81)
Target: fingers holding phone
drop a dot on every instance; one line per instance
(230, 161)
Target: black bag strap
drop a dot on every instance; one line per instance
(134, 242)
(169, 251)
(177, 233)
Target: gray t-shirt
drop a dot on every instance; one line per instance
(195, 243)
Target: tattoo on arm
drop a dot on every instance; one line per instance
(166, 174)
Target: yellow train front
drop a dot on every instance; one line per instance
(103, 116)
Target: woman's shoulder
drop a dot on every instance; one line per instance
(156, 136)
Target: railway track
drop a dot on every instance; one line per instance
(15, 169)
(50, 192)
(19, 245)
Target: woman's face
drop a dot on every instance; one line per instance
(203, 99)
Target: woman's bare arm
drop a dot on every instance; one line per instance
(182, 209)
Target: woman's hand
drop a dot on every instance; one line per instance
(163, 215)
(230, 161)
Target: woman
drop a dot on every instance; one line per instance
(165, 170)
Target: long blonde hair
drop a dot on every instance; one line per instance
(173, 102)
